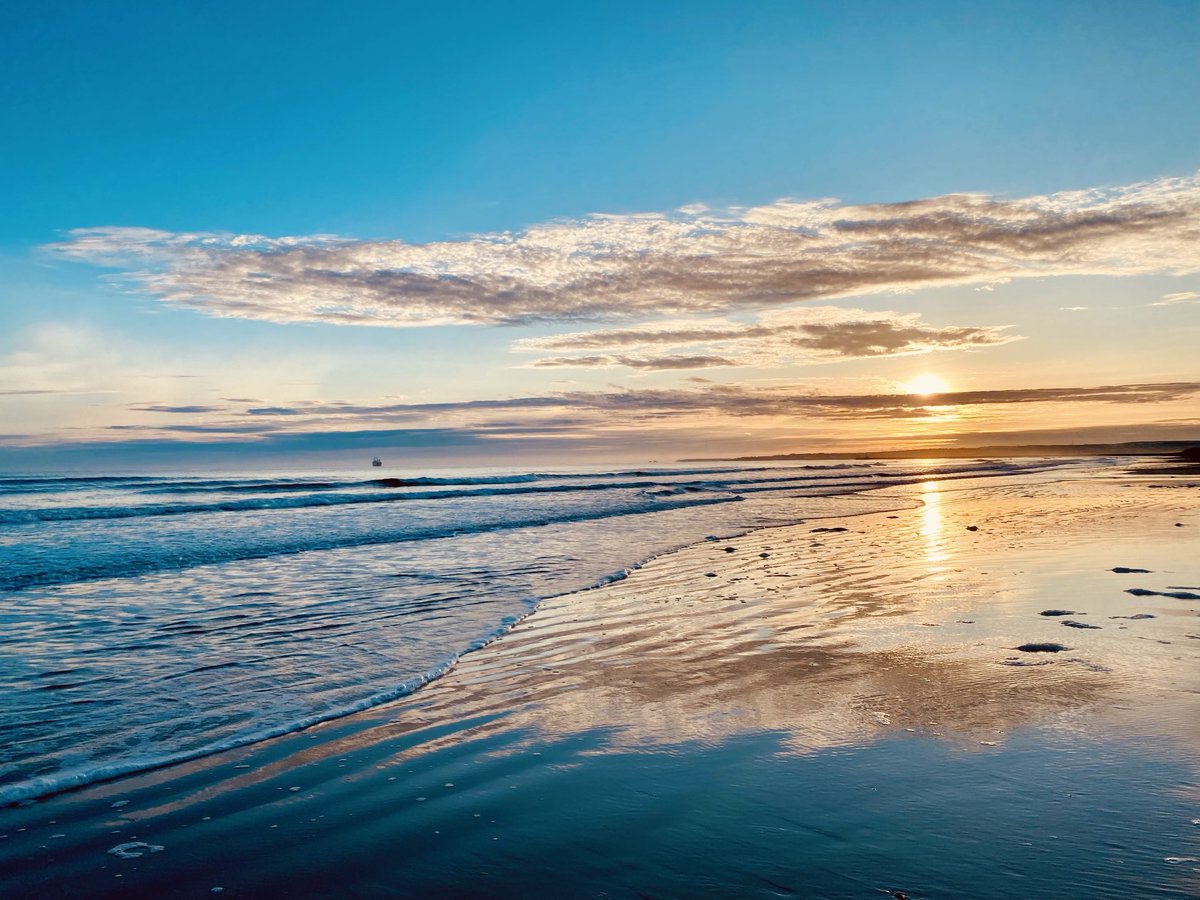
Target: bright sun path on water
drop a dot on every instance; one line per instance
(925, 384)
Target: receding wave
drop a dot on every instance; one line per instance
(126, 561)
(78, 513)
(43, 785)
(763, 478)
(158, 484)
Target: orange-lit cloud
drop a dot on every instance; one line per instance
(804, 334)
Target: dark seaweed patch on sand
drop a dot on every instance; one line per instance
(1041, 648)
(1174, 595)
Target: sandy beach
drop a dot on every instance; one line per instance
(837, 708)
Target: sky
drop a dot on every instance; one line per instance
(464, 233)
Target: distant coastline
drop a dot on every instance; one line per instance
(1129, 448)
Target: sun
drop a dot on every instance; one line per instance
(925, 384)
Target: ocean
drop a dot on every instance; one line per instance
(148, 619)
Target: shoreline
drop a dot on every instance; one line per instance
(834, 642)
(66, 782)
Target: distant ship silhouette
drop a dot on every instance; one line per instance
(377, 461)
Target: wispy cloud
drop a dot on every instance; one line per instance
(272, 411)
(177, 410)
(747, 401)
(731, 400)
(37, 392)
(699, 416)
(803, 334)
(694, 261)
(1179, 297)
(647, 363)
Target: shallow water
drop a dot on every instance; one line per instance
(147, 619)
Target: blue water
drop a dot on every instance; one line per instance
(146, 619)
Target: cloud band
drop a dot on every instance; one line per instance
(690, 262)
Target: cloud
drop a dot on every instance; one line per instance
(803, 334)
(677, 420)
(160, 408)
(732, 400)
(1180, 297)
(742, 401)
(272, 411)
(36, 392)
(650, 363)
(693, 261)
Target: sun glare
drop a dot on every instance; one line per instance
(925, 385)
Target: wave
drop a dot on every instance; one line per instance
(498, 485)
(45, 785)
(41, 786)
(129, 564)
(158, 484)
(268, 486)
(80, 513)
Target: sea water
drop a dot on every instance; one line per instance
(146, 619)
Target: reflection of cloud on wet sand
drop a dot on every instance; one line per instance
(832, 639)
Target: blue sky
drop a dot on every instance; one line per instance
(393, 122)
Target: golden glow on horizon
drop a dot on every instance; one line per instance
(925, 384)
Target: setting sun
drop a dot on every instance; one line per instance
(925, 384)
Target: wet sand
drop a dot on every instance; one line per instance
(833, 709)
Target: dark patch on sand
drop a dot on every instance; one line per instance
(1125, 570)
(828, 530)
(1041, 648)
(1017, 661)
(1174, 595)
(1058, 612)
(1071, 623)
(1134, 616)
(1088, 664)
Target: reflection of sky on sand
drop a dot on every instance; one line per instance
(838, 639)
(839, 664)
